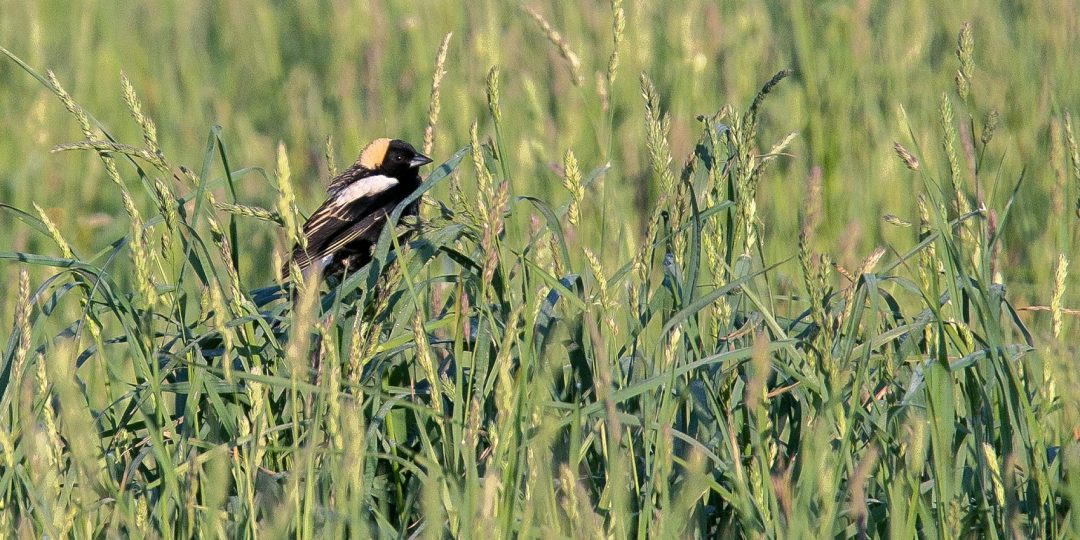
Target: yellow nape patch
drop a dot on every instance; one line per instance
(373, 154)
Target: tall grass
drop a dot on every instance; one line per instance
(611, 321)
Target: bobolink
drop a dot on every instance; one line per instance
(342, 232)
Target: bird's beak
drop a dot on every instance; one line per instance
(419, 160)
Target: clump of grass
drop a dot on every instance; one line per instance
(472, 382)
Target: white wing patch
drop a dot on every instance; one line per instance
(324, 262)
(366, 187)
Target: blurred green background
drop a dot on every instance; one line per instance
(300, 71)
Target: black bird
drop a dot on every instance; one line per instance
(342, 232)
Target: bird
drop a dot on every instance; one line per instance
(340, 234)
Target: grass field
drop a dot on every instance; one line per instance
(683, 270)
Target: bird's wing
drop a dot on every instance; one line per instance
(354, 212)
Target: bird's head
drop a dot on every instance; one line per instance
(391, 157)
